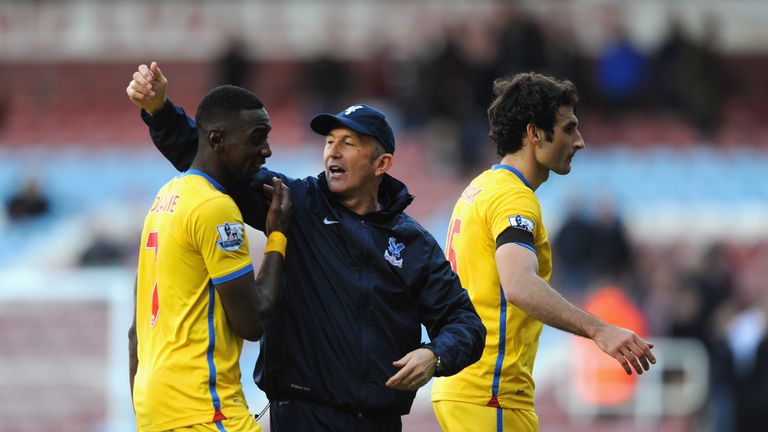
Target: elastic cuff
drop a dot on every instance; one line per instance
(162, 115)
(276, 242)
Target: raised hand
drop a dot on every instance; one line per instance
(148, 87)
(280, 207)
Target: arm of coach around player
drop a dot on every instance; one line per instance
(523, 287)
(174, 133)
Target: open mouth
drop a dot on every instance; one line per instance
(335, 171)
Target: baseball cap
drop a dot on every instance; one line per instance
(360, 118)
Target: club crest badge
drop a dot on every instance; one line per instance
(231, 236)
(392, 254)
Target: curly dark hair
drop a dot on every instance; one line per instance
(224, 102)
(525, 98)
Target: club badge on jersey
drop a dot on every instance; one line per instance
(231, 236)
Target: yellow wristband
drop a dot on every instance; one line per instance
(276, 242)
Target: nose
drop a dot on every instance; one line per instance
(332, 147)
(580, 143)
(266, 151)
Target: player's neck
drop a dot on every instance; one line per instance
(211, 170)
(526, 164)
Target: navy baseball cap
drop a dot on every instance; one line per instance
(361, 119)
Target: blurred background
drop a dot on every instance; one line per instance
(662, 226)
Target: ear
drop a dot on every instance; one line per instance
(383, 163)
(215, 139)
(532, 132)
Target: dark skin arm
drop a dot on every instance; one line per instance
(249, 303)
(133, 359)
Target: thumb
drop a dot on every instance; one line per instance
(400, 363)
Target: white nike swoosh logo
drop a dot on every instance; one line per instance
(329, 222)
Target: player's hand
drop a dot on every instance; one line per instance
(280, 206)
(416, 369)
(626, 347)
(147, 88)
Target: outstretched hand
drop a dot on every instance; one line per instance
(416, 369)
(148, 87)
(629, 349)
(280, 206)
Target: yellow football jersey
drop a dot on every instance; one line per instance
(494, 201)
(189, 372)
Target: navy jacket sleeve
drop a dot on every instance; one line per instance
(456, 332)
(175, 135)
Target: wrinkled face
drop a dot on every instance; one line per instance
(556, 155)
(350, 167)
(246, 147)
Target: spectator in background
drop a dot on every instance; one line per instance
(668, 73)
(522, 44)
(703, 85)
(621, 74)
(103, 251)
(611, 250)
(29, 202)
(327, 80)
(572, 250)
(233, 67)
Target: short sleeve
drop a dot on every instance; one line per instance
(218, 232)
(514, 217)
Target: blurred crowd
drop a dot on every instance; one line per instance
(714, 293)
(443, 90)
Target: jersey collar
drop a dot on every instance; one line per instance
(215, 184)
(514, 171)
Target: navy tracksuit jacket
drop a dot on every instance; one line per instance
(356, 290)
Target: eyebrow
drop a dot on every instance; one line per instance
(346, 135)
(260, 128)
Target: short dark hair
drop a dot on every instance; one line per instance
(224, 101)
(524, 98)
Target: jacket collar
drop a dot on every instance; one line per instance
(393, 197)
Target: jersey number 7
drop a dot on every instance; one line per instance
(153, 244)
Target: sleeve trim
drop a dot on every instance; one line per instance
(232, 276)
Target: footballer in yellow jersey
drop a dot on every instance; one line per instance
(497, 206)
(196, 294)
(189, 369)
(498, 245)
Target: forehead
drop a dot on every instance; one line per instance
(252, 118)
(565, 115)
(342, 132)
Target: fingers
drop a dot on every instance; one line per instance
(630, 356)
(146, 72)
(269, 191)
(623, 361)
(155, 69)
(636, 353)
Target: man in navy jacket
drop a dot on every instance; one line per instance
(343, 351)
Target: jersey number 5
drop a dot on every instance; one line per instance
(153, 244)
(453, 230)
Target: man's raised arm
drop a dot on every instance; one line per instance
(173, 132)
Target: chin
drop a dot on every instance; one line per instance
(563, 171)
